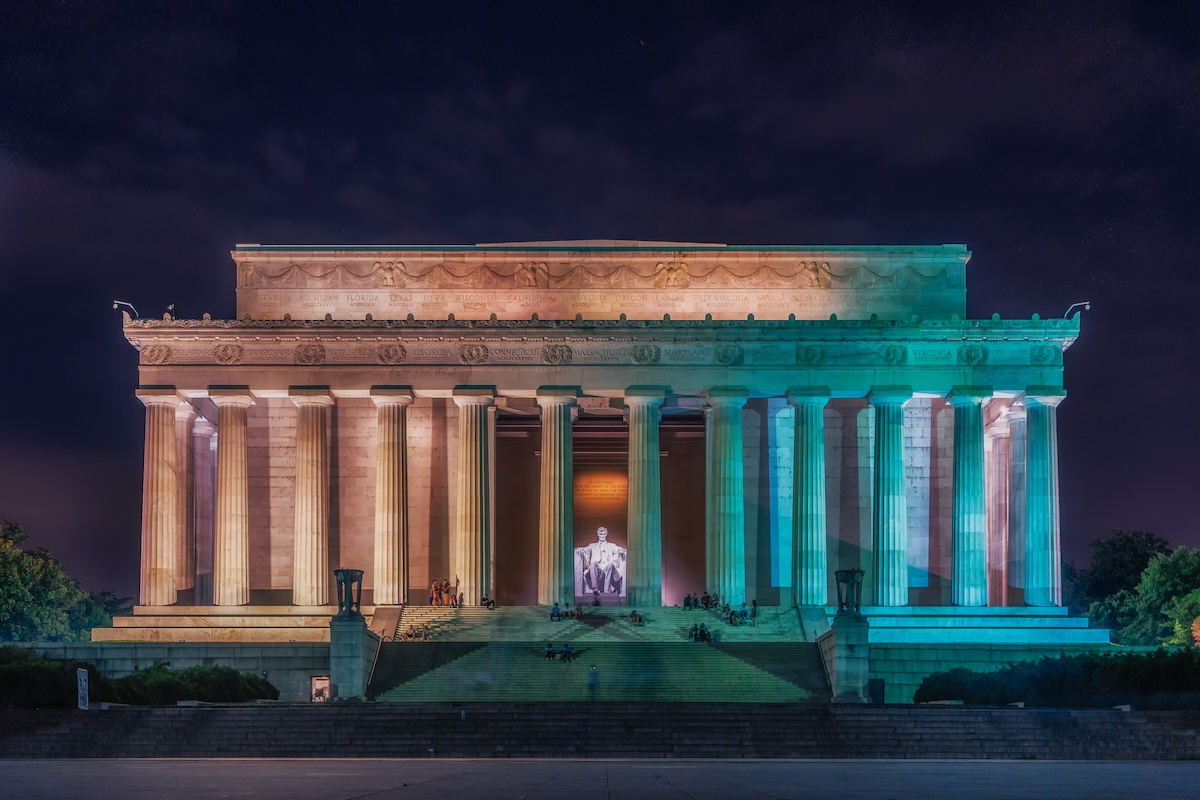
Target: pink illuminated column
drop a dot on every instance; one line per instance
(185, 518)
(726, 484)
(473, 517)
(391, 494)
(160, 498)
(310, 553)
(231, 523)
(969, 583)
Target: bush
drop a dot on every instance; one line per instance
(31, 681)
(1158, 680)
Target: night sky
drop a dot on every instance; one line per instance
(1059, 142)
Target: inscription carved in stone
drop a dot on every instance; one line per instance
(229, 355)
(310, 354)
(557, 354)
(156, 354)
(391, 353)
(473, 354)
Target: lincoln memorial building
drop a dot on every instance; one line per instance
(741, 420)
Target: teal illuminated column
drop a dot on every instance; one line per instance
(644, 569)
(728, 540)
(889, 510)
(968, 586)
(310, 542)
(160, 503)
(556, 520)
(391, 494)
(473, 518)
(810, 561)
(231, 522)
(1043, 580)
(710, 547)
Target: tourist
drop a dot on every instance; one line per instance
(706, 600)
(491, 605)
(549, 651)
(555, 614)
(595, 597)
(754, 612)
(483, 601)
(593, 681)
(694, 632)
(687, 602)
(567, 612)
(565, 656)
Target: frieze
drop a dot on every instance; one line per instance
(645, 354)
(557, 354)
(1045, 355)
(729, 355)
(893, 355)
(229, 355)
(972, 355)
(932, 355)
(771, 354)
(473, 354)
(810, 355)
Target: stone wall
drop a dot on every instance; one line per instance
(288, 666)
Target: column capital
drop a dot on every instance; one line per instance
(203, 427)
(808, 395)
(231, 395)
(1044, 395)
(474, 395)
(652, 396)
(392, 395)
(968, 395)
(728, 396)
(158, 395)
(185, 411)
(881, 395)
(557, 395)
(310, 395)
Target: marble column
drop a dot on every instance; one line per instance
(231, 523)
(889, 510)
(969, 574)
(391, 494)
(996, 458)
(473, 529)
(1043, 568)
(644, 567)
(310, 548)
(810, 561)
(160, 498)
(556, 518)
(202, 452)
(728, 541)
(1017, 423)
(185, 520)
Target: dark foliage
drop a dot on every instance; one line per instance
(1158, 680)
(31, 681)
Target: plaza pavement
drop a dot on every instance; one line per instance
(374, 779)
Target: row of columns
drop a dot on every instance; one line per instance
(168, 560)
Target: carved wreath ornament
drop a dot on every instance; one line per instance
(229, 355)
(156, 354)
(972, 355)
(645, 354)
(473, 354)
(557, 354)
(1042, 354)
(728, 355)
(810, 354)
(391, 353)
(310, 354)
(893, 355)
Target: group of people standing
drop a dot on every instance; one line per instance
(441, 594)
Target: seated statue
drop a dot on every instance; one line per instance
(600, 566)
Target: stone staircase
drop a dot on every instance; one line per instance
(479, 655)
(598, 730)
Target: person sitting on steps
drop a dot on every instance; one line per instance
(549, 651)
(555, 614)
(565, 655)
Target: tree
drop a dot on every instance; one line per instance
(1116, 564)
(1166, 594)
(39, 601)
